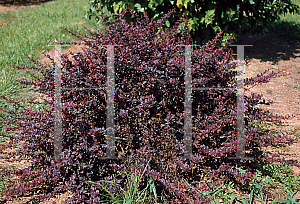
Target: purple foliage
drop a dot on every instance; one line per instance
(149, 96)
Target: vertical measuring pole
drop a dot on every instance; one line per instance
(110, 121)
(188, 104)
(188, 123)
(240, 78)
(57, 103)
(240, 103)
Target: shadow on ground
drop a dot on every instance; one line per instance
(273, 46)
(21, 2)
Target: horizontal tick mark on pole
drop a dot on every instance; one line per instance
(223, 89)
(81, 88)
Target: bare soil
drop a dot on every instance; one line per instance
(276, 53)
(268, 52)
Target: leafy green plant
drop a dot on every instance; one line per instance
(3, 180)
(255, 188)
(205, 18)
(291, 197)
(218, 195)
(297, 131)
(256, 194)
(2, 140)
(130, 193)
(282, 174)
(288, 25)
(3, 185)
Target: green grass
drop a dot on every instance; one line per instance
(289, 24)
(3, 185)
(131, 193)
(3, 181)
(28, 32)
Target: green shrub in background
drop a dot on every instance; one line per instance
(289, 26)
(206, 18)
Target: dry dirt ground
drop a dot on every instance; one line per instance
(268, 52)
(276, 53)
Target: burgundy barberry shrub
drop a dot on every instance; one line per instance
(149, 117)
